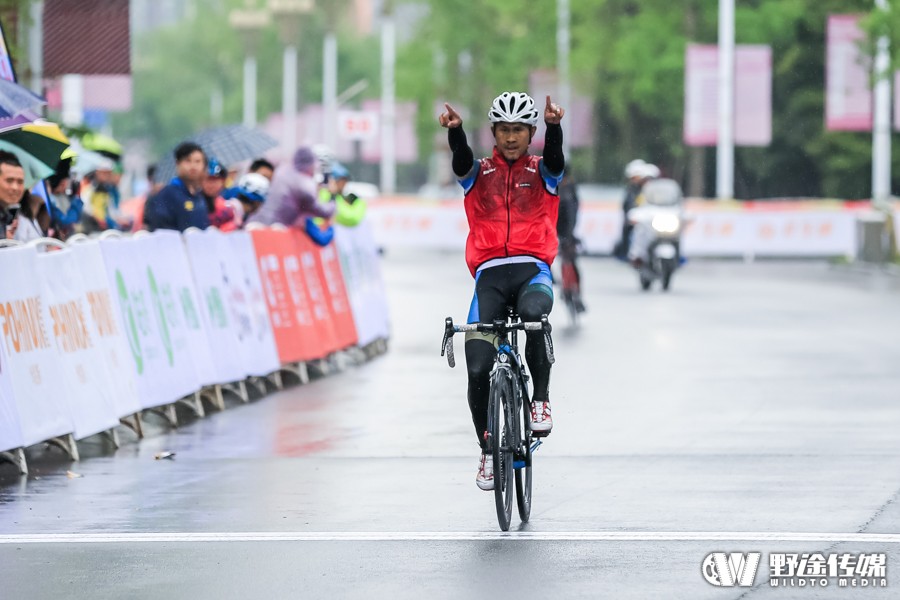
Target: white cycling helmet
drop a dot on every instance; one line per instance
(254, 186)
(634, 168)
(513, 107)
(650, 171)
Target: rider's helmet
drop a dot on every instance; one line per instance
(634, 168)
(339, 171)
(513, 107)
(253, 187)
(215, 169)
(649, 171)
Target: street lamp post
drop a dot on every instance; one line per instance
(288, 14)
(881, 126)
(249, 23)
(388, 108)
(725, 147)
(329, 77)
(563, 49)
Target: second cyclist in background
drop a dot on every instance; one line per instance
(568, 243)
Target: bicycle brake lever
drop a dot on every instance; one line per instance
(548, 341)
(447, 343)
(448, 348)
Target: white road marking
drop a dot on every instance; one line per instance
(449, 536)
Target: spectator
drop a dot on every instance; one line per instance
(100, 197)
(33, 219)
(292, 196)
(66, 206)
(349, 208)
(213, 186)
(180, 205)
(263, 167)
(12, 187)
(133, 209)
(246, 198)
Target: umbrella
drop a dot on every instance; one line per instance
(228, 144)
(42, 139)
(15, 99)
(35, 169)
(88, 161)
(103, 144)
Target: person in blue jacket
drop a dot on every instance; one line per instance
(180, 205)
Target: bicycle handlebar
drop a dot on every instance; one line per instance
(500, 326)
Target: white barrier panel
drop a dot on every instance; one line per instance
(897, 227)
(163, 372)
(30, 355)
(87, 390)
(419, 225)
(714, 231)
(181, 304)
(361, 266)
(107, 330)
(209, 253)
(10, 432)
(776, 233)
(261, 352)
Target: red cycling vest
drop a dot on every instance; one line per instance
(511, 212)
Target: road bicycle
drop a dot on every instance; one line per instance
(510, 440)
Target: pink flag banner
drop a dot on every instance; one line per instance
(752, 97)
(848, 91)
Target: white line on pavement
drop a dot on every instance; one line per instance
(449, 536)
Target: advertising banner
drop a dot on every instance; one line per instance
(224, 323)
(290, 310)
(305, 281)
(848, 89)
(162, 365)
(261, 356)
(30, 355)
(105, 325)
(10, 432)
(361, 266)
(182, 305)
(752, 98)
(87, 390)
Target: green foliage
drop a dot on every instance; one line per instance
(627, 56)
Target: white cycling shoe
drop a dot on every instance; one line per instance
(541, 420)
(485, 478)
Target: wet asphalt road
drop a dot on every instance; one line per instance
(750, 406)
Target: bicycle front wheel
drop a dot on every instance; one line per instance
(502, 429)
(523, 471)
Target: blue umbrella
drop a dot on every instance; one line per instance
(228, 144)
(15, 99)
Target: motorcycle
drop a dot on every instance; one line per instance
(658, 220)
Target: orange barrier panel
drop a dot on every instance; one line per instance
(316, 292)
(328, 265)
(297, 331)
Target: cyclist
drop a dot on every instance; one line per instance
(568, 243)
(511, 204)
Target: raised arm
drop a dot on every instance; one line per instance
(554, 160)
(463, 158)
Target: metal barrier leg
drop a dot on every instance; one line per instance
(113, 437)
(134, 424)
(168, 413)
(67, 444)
(194, 402)
(16, 457)
(276, 380)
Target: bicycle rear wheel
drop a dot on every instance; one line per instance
(502, 429)
(523, 473)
